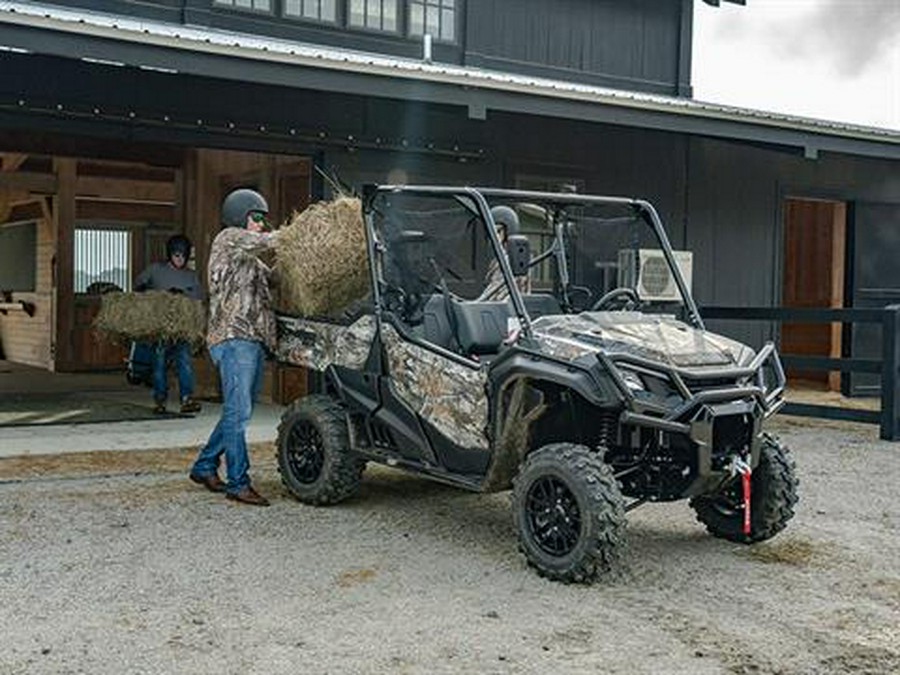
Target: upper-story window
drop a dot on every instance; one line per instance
(315, 10)
(411, 18)
(373, 14)
(256, 5)
(436, 17)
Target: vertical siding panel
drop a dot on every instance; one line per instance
(631, 44)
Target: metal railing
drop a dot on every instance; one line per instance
(889, 320)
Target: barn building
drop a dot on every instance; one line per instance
(123, 122)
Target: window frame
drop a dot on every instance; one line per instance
(99, 226)
(229, 6)
(440, 5)
(337, 22)
(399, 31)
(403, 29)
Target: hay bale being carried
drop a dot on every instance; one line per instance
(152, 316)
(321, 265)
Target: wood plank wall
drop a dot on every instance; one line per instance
(27, 339)
(134, 194)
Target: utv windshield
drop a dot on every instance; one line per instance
(444, 245)
(428, 242)
(600, 257)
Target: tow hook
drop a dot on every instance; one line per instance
(739, 466)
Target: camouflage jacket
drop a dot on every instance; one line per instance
(494, 277)
(240, 300)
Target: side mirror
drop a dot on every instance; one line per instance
(518, 251)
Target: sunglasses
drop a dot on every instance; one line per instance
(259, 217)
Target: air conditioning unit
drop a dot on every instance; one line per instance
(646, 270)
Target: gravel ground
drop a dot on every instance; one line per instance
(117, 564)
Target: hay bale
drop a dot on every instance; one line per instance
(151, 316)
(321, 265)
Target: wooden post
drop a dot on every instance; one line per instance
(64, 235)
(890, 374)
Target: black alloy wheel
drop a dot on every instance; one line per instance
(316, 462)
(553, 516)
(306, 453)
(569, 513)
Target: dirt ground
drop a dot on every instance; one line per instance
(115, 563)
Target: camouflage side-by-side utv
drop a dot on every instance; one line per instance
(580, 376)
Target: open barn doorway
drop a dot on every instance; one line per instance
(815, 235)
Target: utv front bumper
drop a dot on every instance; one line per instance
(719, 412)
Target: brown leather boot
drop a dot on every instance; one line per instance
(248, 495)
(212, 482)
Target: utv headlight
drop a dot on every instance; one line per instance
(632, 380)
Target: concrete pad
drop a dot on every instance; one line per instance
(145, 435)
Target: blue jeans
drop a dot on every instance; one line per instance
(240, 365)
(180, 353)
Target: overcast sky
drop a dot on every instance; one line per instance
(829, 59)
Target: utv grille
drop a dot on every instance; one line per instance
(731, 435)
(704, 384)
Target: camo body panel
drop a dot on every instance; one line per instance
(447, 394)
(319, 344)
(658, 338)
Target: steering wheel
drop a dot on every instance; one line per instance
(623, 299)
(394, 299)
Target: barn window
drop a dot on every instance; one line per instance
(253, 5)
(314, 10)
(374, 15)
(102, 260)
(435, 17)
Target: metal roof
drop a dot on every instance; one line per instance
(666, 111)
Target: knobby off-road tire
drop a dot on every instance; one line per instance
(569, 513)
(314, 457)
(773, 495)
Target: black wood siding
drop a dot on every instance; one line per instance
(641, 45)
(633, 45)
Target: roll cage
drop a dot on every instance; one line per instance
(555, 204)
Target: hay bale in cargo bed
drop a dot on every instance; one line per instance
(321, 264)
(152, 316)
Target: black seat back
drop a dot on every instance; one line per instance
(481, 327)
(436, 327)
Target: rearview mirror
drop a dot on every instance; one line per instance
(518, 251)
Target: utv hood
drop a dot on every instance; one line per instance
(659, 338)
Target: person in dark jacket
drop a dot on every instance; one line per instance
(173, 276)
(507, 224)
(241, 330)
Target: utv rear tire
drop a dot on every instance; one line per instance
(773, 494)
(314, 457)
(569, 513)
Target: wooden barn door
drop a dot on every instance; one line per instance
(285, 183)
(814, 252)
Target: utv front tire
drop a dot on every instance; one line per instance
(773, 495)
(569, 513)
(314, 457)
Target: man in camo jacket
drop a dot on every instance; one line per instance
(241, 329)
